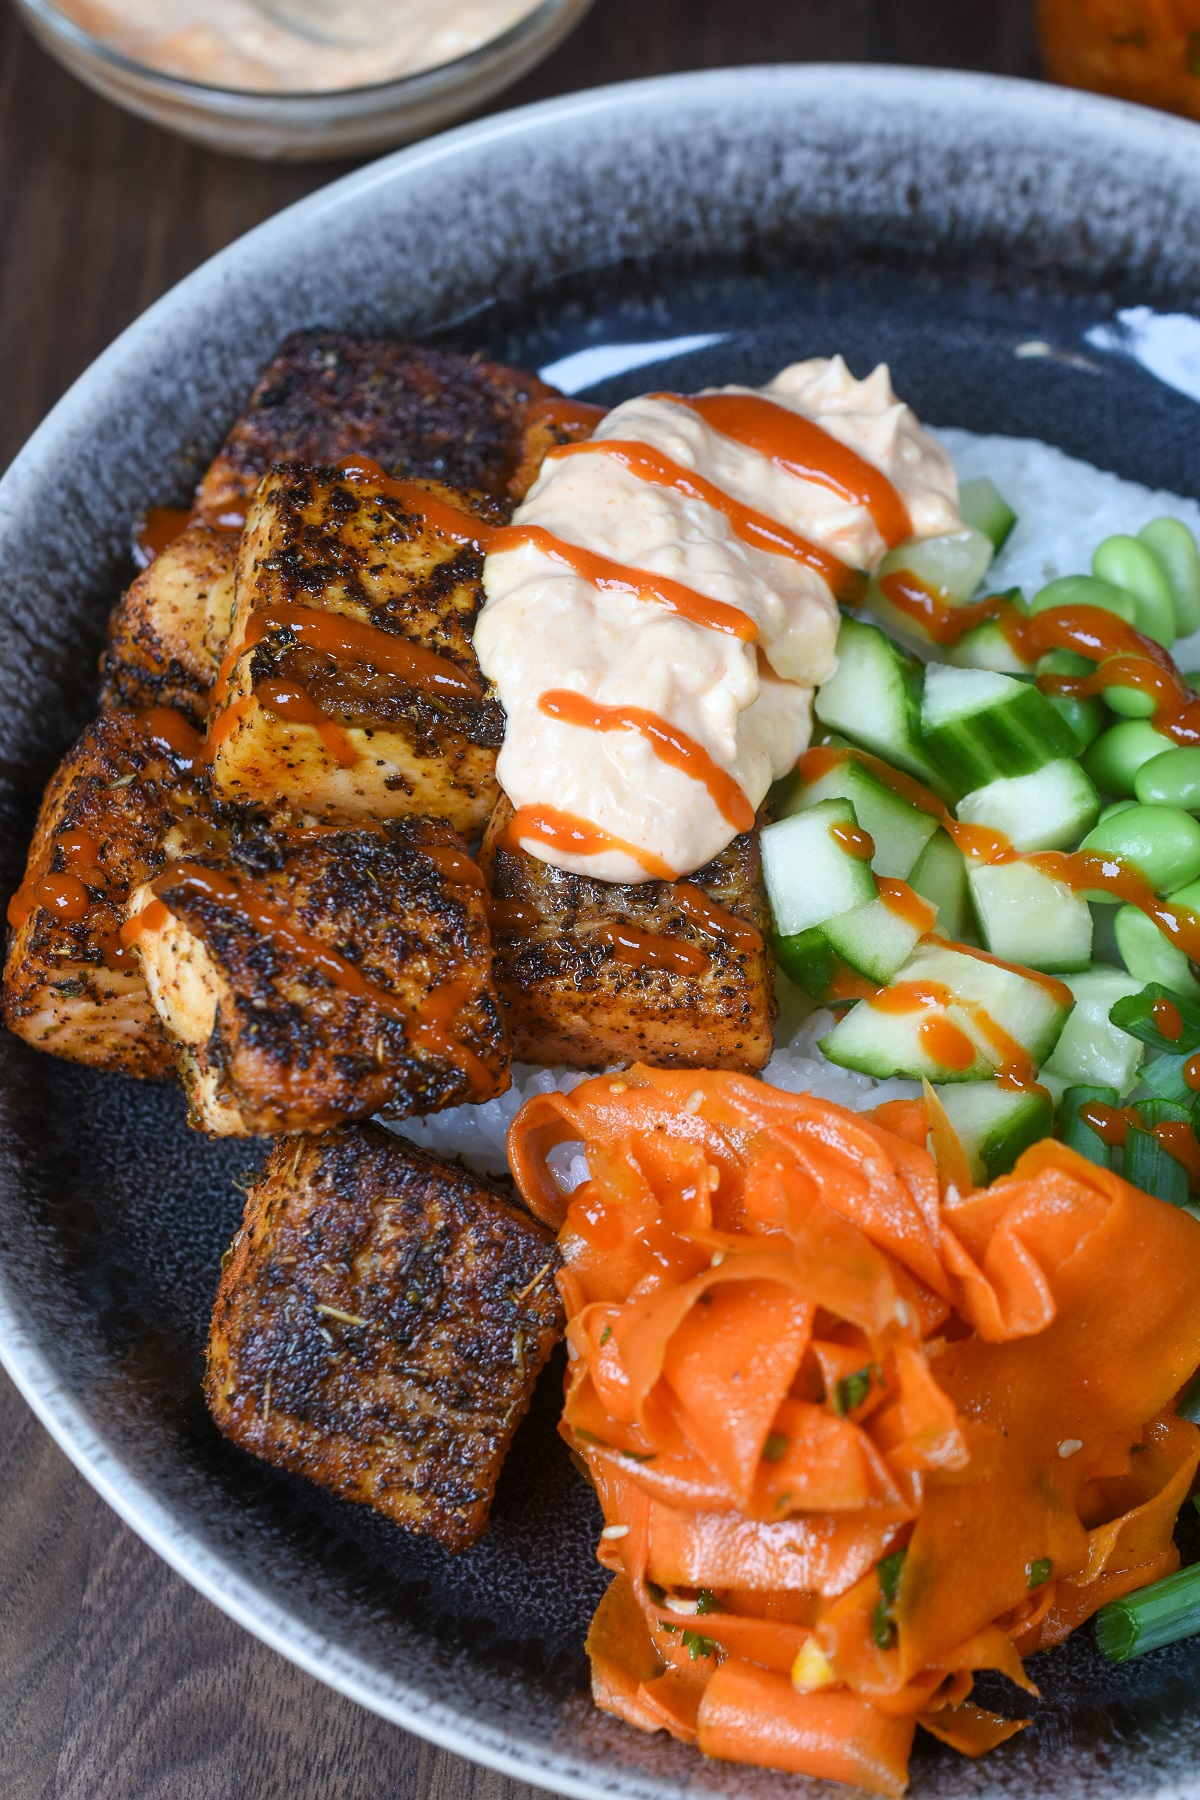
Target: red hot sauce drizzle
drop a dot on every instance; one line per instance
(650, 950)
(754, 528)
(805, 449)
(429, 1027)
(1168, 1020)
(578, 837)
(671, 746)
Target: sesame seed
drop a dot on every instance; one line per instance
(694, 1101)
(1069, 1446)
(718, 1258)
(613, 1532)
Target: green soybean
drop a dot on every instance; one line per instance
(1170, 779)
(1174, 549)
(1087, 590)
(1128, 563)
(1084, 716)
(1149, 956)
(1130, 702)
(1117, 806)
(1115, 758)
(1161, 842)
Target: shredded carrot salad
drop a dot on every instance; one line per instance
(856, 1434)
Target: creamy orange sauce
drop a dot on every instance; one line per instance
(294, 46)
(686, 562)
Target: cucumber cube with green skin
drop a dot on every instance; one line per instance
(950, 566)
(1149, 955)
(977, 726)
(872, 941)
(1048, 810)
(1025, 916)
(874, 698)
(900, 831)
(939, 875)
(981, 504)
(995, 1124)
(986, 646)
(1092, 1051)
(882, 1042)
(810, 876)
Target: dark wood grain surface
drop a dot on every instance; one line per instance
(116, 1681)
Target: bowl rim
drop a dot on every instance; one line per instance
(49, 1396)
(396, 87)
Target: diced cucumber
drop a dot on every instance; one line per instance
(987, 646)
(1149, 956)
(981, 504)
(874, 697)
(872, 941)
(1092, 1051)
(995, 1124)
(890, 1043)
(950, 566)
(1075, 1130)
(881, 1040)
(877, 939)
(1174, 548)
(1048, 810)
(810, 876)
(1026, 916)
(978, 726)
(940, 876)
(900, 831)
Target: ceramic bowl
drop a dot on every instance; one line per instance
(307, 127)
(698, 229)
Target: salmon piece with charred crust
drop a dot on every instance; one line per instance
(432, 413)
(168, 631)
(380, 1324)
(310, 977)
(351, 687)
(591, 973)
(69, 985)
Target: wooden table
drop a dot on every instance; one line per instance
(116, 1680)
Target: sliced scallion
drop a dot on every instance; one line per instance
(1156, 1615)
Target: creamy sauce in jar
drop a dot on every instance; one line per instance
(323, 46)
(742, 697)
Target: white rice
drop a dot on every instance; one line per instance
(1064, 507)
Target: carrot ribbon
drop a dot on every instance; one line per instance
(856, 1434)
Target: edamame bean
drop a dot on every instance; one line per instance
(1161, 842)
(1084, 716)
(1174, 548)
(1115, 758)
(1128, 563)
(1170, 779)
(1087, 590)
(1118, 806)
(1149, 955)
(1130, 702)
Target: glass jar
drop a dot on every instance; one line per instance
(1147, 50)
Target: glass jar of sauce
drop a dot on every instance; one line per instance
(1146, 50)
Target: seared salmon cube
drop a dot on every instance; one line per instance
(669, 973)
(351, 689)
(381, 1321)
(169, 629)
(308, 977)
(420, 411)
(70, 986)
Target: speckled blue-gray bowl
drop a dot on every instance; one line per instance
(712, 226)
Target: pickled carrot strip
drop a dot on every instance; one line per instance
(837, 1408)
